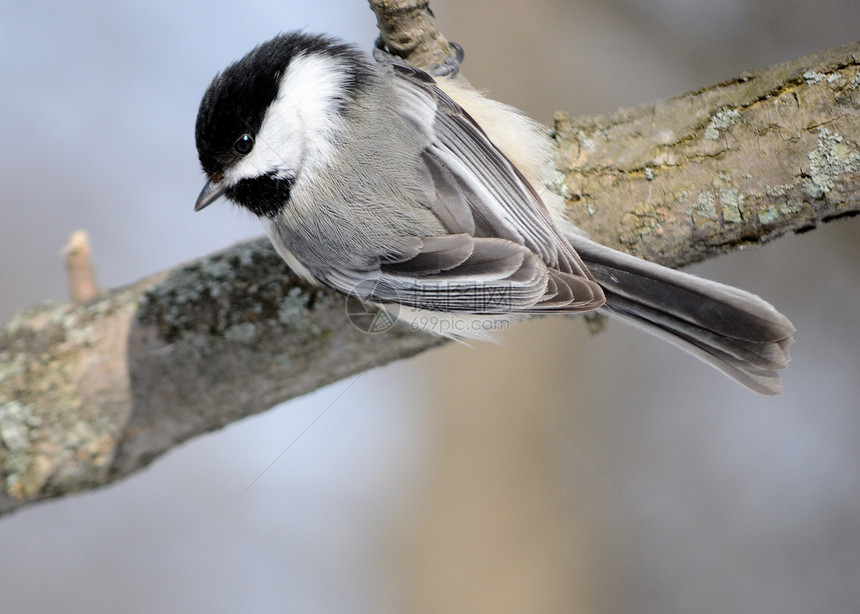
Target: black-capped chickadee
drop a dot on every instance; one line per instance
(420, 193)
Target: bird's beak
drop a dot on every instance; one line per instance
(212, 191)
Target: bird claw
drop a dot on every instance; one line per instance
(449, 68)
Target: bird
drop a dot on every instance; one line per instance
(418, 193)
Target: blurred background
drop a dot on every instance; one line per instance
(556, 472)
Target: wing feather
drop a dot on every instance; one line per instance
(503, 242)
(503, 253)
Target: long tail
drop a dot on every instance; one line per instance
(732, 330)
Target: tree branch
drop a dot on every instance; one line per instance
(741, 162)
(408, 29)
(91, 392)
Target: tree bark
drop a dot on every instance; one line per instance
(90, 392)
(737, 163)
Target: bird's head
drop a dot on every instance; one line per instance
(273, 116)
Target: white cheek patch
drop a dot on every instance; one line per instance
(300, 127)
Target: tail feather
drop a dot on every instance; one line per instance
(732, 330)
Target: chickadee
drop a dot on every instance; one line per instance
(420, 193)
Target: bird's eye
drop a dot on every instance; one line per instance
(244, 144)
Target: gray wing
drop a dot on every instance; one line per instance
(503, 253)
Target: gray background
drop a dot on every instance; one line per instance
(670, 488)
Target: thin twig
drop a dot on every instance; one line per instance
(80, 273)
